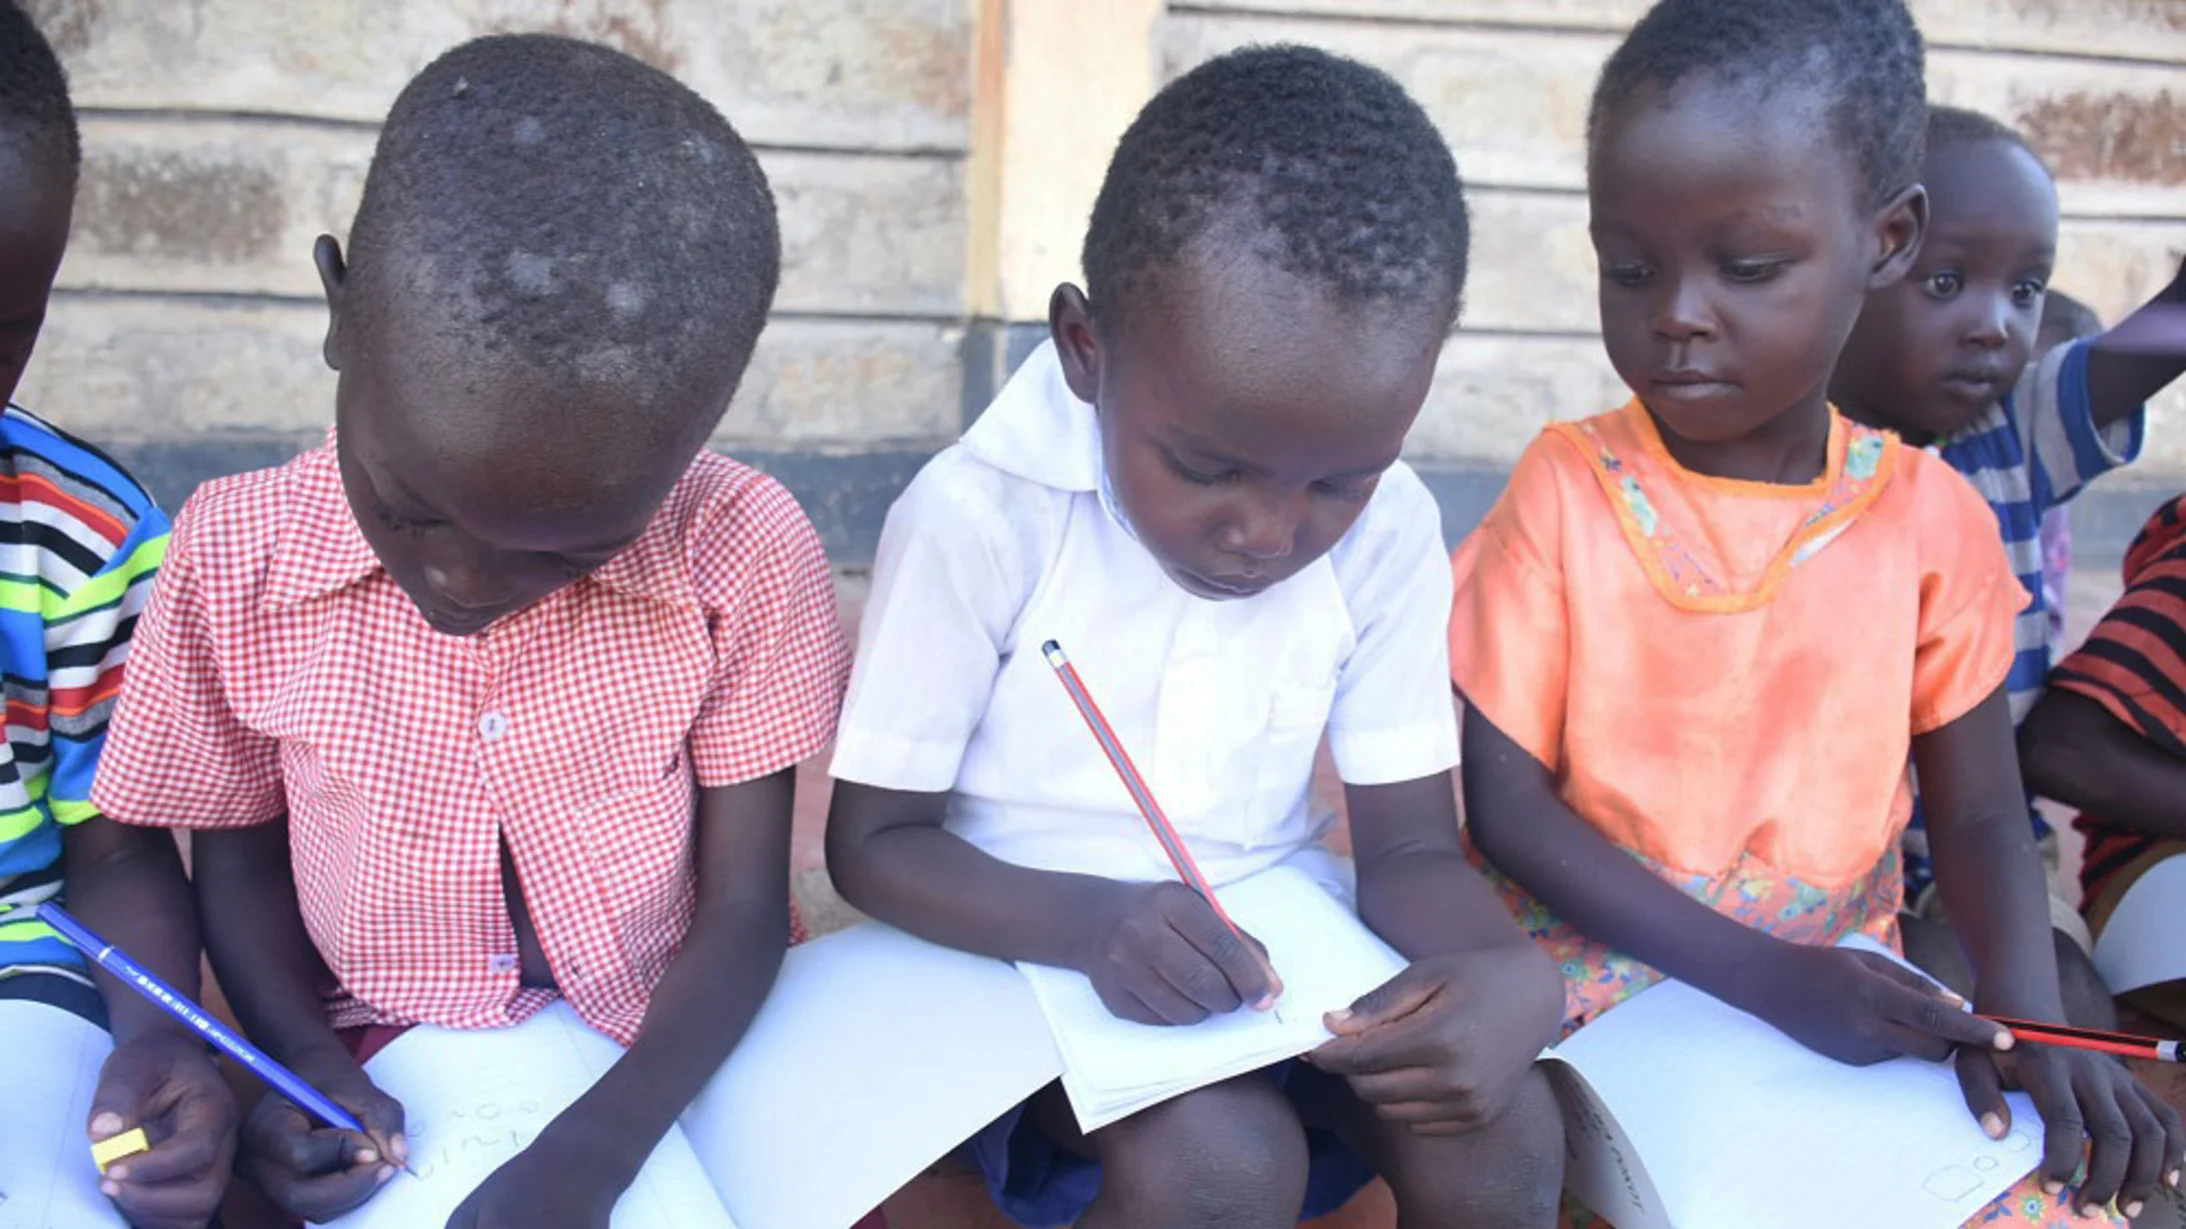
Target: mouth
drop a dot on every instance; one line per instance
(1980, 387)
(1685, 385)
(1224, 588)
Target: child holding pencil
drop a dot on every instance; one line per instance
(1701, 638)
(82, 546)
(496, 697)
(1194, 488)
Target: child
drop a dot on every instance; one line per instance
(1195, 488)
(1698, 637)
(83, 543)
(495, 697)
(2109, 735)
(1946, 358)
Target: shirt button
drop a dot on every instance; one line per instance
(501, 962)
(492, 726)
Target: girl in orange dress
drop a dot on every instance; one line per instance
(1702, 638)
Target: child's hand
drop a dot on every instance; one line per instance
(2084, 1098)
(317, 1173)
(1860, 1008)
(1442, 1046)
(165, 1082)
(1163, 956)
(556, 1183)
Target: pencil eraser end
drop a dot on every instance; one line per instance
(129, 1143)
(1054, 653)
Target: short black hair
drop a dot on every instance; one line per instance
(34, 106)
(1864, 57)
(1334, 174)
(1954, 126)
(573, 209)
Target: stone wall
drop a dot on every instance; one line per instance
(934, 160)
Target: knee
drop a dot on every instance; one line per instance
(1509, 1172)
(2088, 1002)
(1232, 1156)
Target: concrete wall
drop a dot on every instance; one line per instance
(935, 160)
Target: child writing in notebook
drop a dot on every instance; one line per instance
(82, 546)
(1194, 488)
(1947, 359)
(1700, 638)
(496, 696)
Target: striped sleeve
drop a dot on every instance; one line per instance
(2056, 419)
(2134, 662)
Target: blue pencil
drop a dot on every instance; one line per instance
(133, 975)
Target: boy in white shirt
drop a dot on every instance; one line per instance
(1195, 489)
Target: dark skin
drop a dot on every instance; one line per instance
(1935, 351)
(125, 883)
(1242, 444)
(477, 512)
(1775, 185)
(2076, 751)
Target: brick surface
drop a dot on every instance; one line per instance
(131, 369)
(233, 206)
(889, 74)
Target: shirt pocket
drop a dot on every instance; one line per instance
(1297, 717)
(641, 834)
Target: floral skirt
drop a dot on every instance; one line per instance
(1597, 979)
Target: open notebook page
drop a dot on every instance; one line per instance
(2139, 944)
(1739, 1125)
(874, 1056)
(473, 1099)
(1326, 957)
(49, 1068)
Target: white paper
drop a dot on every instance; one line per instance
(874, 1056)
(1739, 1125)
(475, 1098)
(2140, 943)
(49, 1069)
(1602, 1165)
(1327, 958)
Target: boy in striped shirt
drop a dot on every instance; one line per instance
(80, 542)
(1946, 358)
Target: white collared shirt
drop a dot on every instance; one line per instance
(1004, 542)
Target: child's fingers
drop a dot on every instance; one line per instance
(1168, 1005)
(2064, 1131)
(1936, 1023)
(181, 1155)
(1400, 996)
(2110, 1155)
(1250, 978)
(2151, 1143)
(1982, 1084)
(383, 1120)
(1387, 1047)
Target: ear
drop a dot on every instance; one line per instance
(1077, 341)
(334, 280)
(1899, 227)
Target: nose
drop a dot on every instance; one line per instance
(1682, 311)
(1265, 528)
(1989, 326)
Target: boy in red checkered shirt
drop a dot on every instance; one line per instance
(496, 696)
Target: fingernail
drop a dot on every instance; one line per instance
(118, 1172)
(2171, 1178)
(1266, 1001)
(386, 1172)
(110, 1189)
(107, 1123)
(2051, 1186)
(365, 1156)
(401, 1144)
(2133, 1210)
(2005, 1040)
(1955, 998)
(1339, 1016)
(1993, 1125)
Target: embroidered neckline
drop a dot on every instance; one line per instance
(1861, 460)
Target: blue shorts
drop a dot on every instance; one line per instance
(1036, 1182)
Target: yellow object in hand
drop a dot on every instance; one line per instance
(128, 1143)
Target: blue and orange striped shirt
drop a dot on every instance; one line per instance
(80, 542)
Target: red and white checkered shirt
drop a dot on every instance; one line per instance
(280, 670)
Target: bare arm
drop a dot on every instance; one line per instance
(2075, 751)
(2141, 356)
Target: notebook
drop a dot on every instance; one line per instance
(1684, 1111)
(50, 1069)
(2139, 944)
(1327, 958)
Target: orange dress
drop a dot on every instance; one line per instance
(1726, 677)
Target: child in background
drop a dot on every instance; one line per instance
(2109, 736)
(1699, 637)
(1946, 358)
(2064, 319)
(1194, 487)
(496, 696)
(81, 546)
